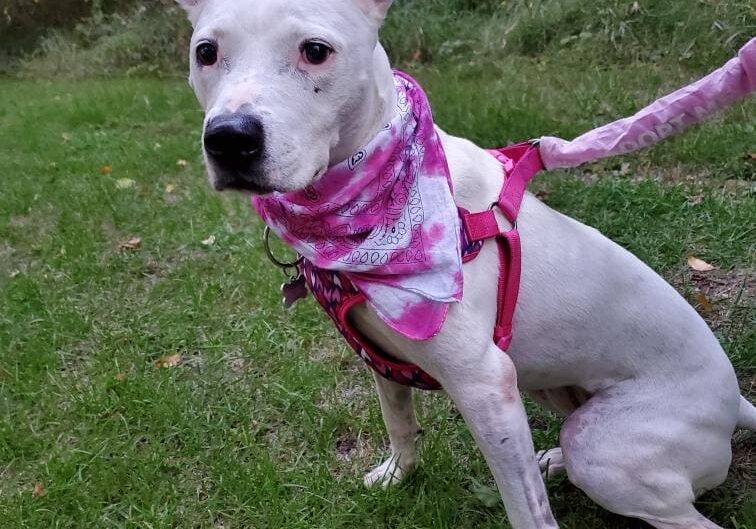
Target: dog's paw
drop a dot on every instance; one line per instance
(551, 462)
(390, 472)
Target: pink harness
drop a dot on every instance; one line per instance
(331, 270)
(337, 294)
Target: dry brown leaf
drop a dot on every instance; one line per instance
(699, 265)
(182, 163)
(209, 241)
(703, 302)
(133, 243)
(106, 169)
(170, 188)
(542, 194)
(752, 156)
(168, 361)
(39, 490)
(15, 273)
(120, 377)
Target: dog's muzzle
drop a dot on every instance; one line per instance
(235, 144)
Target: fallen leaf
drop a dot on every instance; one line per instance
(170, 188)
(66, 137)
(39, 490)
(106, 169)
(133, 243)
(695, 200)
(209, 241)
(542, 194)
(120, 377)
(703, 302)
(168, 361)
(624, 169)
(635, 7)
(15, 273)
(699, 265)
(182, 163)
(125, 183)
(752, 156)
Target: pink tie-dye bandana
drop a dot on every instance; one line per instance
(386, 217)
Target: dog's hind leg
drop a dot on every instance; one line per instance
(486, 393)
(640, 451)
(399, 416)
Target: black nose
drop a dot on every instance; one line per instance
(234, 140)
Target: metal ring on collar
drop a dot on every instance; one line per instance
(273, 259)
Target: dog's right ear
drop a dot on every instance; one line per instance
(192, 8)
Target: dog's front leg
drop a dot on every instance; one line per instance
(399, 416)
(487, 395)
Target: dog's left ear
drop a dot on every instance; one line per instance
(375, 9)
(192, 8)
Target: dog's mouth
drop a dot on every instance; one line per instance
(223, 180)
(243, 186)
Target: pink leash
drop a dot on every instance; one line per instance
(664, 117)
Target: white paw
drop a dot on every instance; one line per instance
(551, 462)
(390, 472)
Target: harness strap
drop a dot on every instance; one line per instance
(525, 162)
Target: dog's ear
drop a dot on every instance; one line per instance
(192, 8)
(375, 9)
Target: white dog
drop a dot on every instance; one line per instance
(650, 399)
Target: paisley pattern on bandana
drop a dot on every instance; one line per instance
(386, 218)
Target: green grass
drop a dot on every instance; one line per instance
(269, 421)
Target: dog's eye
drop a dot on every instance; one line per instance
(316, 52)
(207, 54)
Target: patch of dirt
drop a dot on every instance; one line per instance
(355, 453)
(743, 467)
(355, 388)
(6, 261)
(331, 349)
(675, 175)
(75, 363)
(346, 447)
(716, 293)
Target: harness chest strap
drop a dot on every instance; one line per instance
(483, 225)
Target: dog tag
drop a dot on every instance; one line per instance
(294, 290)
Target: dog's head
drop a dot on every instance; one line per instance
(287, 86)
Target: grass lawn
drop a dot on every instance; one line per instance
(266, 420)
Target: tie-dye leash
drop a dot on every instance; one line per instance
(666, 116)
